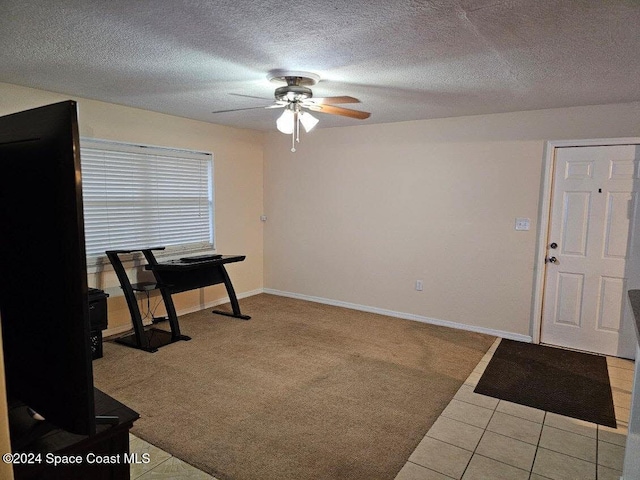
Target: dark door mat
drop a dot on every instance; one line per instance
(565, 382)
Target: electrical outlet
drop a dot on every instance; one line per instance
(419, 285)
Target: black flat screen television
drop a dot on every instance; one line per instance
(43, 274)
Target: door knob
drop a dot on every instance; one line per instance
(552, 260)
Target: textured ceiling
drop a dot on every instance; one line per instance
(404, 59)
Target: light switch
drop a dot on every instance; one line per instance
(522, 223)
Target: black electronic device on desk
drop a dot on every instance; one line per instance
(173, 276)
(201, 258)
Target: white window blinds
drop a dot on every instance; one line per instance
(139, 197)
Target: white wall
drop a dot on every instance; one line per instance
(358, 214)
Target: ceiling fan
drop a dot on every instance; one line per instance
(296, 97)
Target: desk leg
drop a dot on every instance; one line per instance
(172, 316)
(138, 339)
(232, 297)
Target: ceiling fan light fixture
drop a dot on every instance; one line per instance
(308, 121)
(285, 122)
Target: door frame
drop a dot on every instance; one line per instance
(544, 217)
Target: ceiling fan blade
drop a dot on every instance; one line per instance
(240, 109)
(332, 100)
(339, 111)
(249, 96)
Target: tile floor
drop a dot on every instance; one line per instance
(480, 437)
(162, 465)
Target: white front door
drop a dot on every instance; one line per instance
(593, 205)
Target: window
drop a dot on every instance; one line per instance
(140, 196)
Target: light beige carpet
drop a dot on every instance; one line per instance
(301, 391)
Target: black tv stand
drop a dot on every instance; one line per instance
(107, 420)
(38, 437)
(19, 442)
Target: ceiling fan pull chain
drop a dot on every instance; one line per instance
(295, 131)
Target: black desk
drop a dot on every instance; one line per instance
(173, 276)
(177, 276)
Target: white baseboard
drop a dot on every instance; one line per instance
(406, 316)
(220, 301)
(337, 303)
